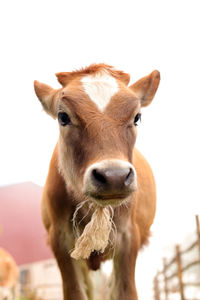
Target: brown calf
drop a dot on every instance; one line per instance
(95, 160)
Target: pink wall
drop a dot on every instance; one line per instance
(21, 229)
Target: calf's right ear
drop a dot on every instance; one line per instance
(48, 97)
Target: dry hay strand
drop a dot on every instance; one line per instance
(95, 236)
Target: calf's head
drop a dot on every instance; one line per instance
(98, 114)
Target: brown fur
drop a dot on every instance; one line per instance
(65, 77)
(8, 270)
(92, 137)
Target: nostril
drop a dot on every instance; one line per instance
(129, 178)
(100, 178)
(112, 178)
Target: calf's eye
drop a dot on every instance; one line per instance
(63, 119)
(137, 119)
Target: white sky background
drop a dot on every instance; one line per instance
(40, 38)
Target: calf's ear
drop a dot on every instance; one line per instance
(146, 87)
(48, 97)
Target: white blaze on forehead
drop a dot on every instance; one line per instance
(100, 88)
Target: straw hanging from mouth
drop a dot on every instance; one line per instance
(95, 236)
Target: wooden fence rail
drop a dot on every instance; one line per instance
(164, 287)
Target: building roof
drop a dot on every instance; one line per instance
(22, 233)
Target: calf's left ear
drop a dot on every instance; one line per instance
(146, 87)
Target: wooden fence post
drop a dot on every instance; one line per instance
(156, 288)
(198, 232)
(165, 278)
(179, 267)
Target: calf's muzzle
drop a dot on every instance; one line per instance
(110, 179)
